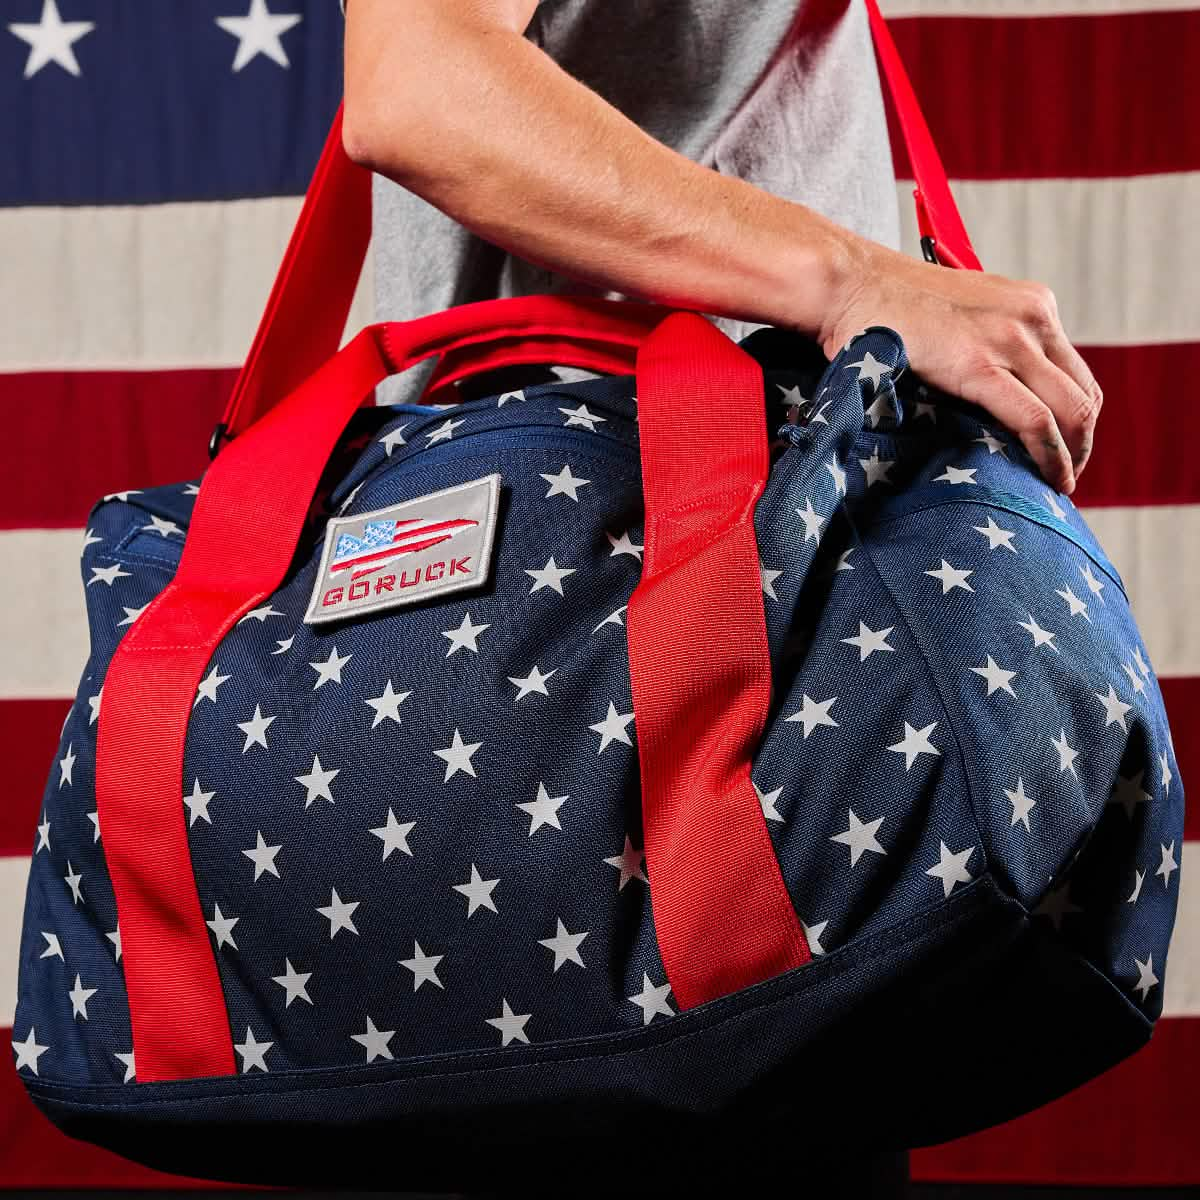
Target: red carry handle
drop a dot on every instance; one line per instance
(699, 663)
(310, 301)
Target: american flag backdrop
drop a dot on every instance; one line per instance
(154, 164)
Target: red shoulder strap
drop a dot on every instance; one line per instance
(309, 305)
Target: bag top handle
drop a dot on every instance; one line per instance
(309, 304)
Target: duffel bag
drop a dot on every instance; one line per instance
(736, 740)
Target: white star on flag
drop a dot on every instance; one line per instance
(478, 891)
(511, 1026)
(565, 946)
(80, 995)
(465, 636)
(629, 863)
(814, 713)
(222, 927)
(258, 32)
(860, 836)
(28, 1051)
(653, 1000)
(330, 670)
(294, 983)
(564, 483)
(340, 914)
(543, 810)
(914, 742)
(253, 1053)
(551, 576)
(387, 704)
(375, 1041)
(255, 730)
(423, 966)
(317, 782)
(197, 804)
(951, 868)
(457, 756)
(535, 681)
(612, 728)
(51, 40)
(394, 835)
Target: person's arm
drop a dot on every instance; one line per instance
(450, 100)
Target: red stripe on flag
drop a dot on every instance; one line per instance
(29, 732)
(1045, 97)
(1135, 1125)
(73, 436)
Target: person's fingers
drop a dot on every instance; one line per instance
(1060, 352)
(1018, 408)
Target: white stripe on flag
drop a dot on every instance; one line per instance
(144, 286)
(1086, 239)
(1182, 998)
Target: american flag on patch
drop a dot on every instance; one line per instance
(383, 542)
(154, 166)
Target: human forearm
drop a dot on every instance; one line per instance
(484, 125)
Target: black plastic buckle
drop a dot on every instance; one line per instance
(216, 438)
(927, 249)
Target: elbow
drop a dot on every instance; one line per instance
(358, 133)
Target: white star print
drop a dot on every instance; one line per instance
(66, 765)
(957, 475)
(53, 948)
(535, 681)
(543, 810)
(1052, 501)
(254, 1054)
(629, 863)
(1095, 586)
(317, 782)
(564, 483)
(445, 431)
(951, 577)
(551, 576)
(767, 801)
(43, 835)
(996, 676)
(207, 689)
(263, 857)
(993, 444)
(653, 1000)
(28, 1051)
(995, 535)
(465, 636)
(132, 614)
(197, 804)
(423, 966)
(565, 946)
(1114, 709)
(255, 730)
(74, 881)
(1066, 756)
(951, 868)
(261, 614)
(284, 644)
(1078, 608)
(1129, 793)
(839, 476)
(1146, 976)
(394, 835)
(51, 40)
(94, 817)
(814, 713)
(1142, 665)
(115, 938)
(127, 1060)
(387, 704)
(107, 575)
(478, 891)
(511, 1026)
(375, 1041)
(161, 526)
(613, 618)
(94, 705)
(880, 412)
(330, 671)
(1139, 877)
(612, 728)
(812, 522)
(875, 468)
(222, 927)
(624, 545)
(457, 756)
(914, 742)
(581, 416)
(1022, 804)
(394, 437)
(90, 539)
(860, 837)
(1056, 904)
(812, 934)
(1165, 777)
(869, 640)
(505, 396)
(1041, 637)
(870, 368)
(1135, 679)
(294, 983)
(258, 32)
(1168, 864)
(80, 995)
(768, 580)
(340, 914)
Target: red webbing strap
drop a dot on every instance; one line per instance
(937, 213)
(230, 563)
(700, 667)
(310, 301)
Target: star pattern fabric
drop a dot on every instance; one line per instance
(420, 832)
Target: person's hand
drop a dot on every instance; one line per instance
(994, 341)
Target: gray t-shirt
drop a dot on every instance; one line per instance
(757, 90)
